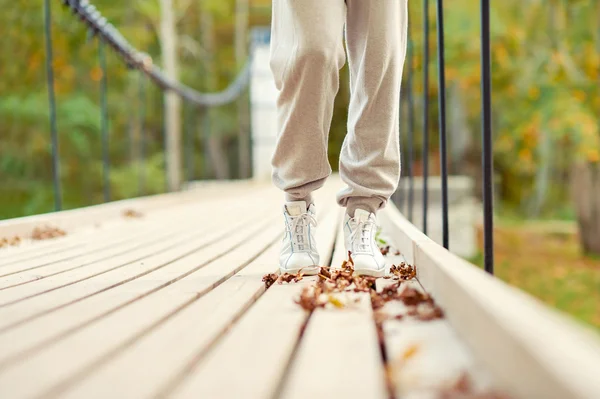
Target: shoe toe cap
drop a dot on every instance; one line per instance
(299, 260)
(367, 262)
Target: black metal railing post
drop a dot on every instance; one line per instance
(486, 133)
(425, 110)
(189, 163)
(442, 120)
(52, 106)
(104, 121)
(206, 122)
(142, 154)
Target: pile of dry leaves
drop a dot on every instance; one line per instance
(333, 282)
(47, 232)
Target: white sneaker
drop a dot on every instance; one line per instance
(299, 250)
(359, 234)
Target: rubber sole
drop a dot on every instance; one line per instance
(370, 272)
(306, 271)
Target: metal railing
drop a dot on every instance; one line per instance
(109, 36)
(486, 130)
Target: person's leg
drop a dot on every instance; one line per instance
(307, 51)
(370, 157)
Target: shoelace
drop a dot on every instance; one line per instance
(364, 229)
(303, 220)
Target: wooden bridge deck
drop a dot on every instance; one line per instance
(169, 302)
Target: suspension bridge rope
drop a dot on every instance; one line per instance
(141, 61)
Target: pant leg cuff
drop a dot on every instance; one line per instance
(308, 199)
(370, 204)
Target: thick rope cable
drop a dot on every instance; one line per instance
(141, 61)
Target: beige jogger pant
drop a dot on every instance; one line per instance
(307, 52)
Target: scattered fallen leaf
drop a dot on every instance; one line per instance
(377, 301)
(335, 302)
(385, 250)
(10, 241)
(412, 297)
(286, 278)
(47, 232)
(463, 389)
(132, 213)
(403, 271)
(380, 317)
(269, 279)
(429, 312)
(397, 253)
(410, 352)
(310, 298)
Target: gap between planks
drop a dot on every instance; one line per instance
(96, 267)
(260, 283)
(60, 317)
(123, 317)
(257, 349)
(39, 306)
(80, 245)
(339, 354)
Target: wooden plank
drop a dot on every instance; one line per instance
(426, 358)
(72, 220)
(96, 248)
(161, 292)
(115, 265)
(64, 273)
(252, 358)
(127, 241)
(149, 309)
(184, 339)
(85, 235)
(537, 352)
(404, 233)
(339, 354)
(530, 349)
(58, 311)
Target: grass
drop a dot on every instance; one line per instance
(544, 259)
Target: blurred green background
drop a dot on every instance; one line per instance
(546, 107)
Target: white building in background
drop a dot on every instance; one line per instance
(263, 101)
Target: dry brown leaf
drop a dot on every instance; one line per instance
(10, 241)
(412, 297)
(269, 279)
(47, 232)
(286, 278)
(377, 301)
(310, 298)
(410, 352)
(464, 389)
(385, 250)
(132, 213)
(403, 271)
(429, 312)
